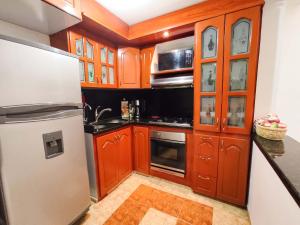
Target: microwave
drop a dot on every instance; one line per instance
(176, 59)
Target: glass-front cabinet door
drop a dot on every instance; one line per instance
(108, 65)
(86, 50)
(240, 63)
(208, 72)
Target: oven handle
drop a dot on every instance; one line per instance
(167, 141)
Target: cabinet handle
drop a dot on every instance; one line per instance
(203, 178)
(217, 122)
(206, 138)
(224, 123)
(205, 158)
(222, 145)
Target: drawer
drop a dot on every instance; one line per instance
(205, 185)
(206, 165)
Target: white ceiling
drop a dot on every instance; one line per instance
(134, 11)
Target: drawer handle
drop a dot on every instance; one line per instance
(203, 178)
(205, 158)
(206, 138)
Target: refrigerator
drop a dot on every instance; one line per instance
(43, 167)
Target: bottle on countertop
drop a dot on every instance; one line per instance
(124, 109)
(137, 109)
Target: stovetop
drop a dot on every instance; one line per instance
(172, 121)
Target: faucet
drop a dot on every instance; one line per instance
(85, 118)
(98, 115)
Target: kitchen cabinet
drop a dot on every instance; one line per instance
(225, 76)
(208, 69)
(71, 7)
(146, 58)
(97, 61)
(141, 149)
(129, 68)
(205, 170)
(107, 150)
(233, 169)
(114, 158)
(124, 153)
(240, 66)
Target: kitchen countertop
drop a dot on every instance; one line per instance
(113, 126)
(284, 157)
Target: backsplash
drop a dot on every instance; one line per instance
(159, 102)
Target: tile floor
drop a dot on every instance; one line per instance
(101, 212)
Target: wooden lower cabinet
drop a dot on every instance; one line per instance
(114, 159)
(233, 170)
(220, 167)
(124, 153)
(141, 149)
(107, 150)
(206, 153)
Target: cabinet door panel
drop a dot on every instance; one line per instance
(107, 156)
(124, 153)
(208, 73)
(205, 185)
(141, 149)
(206, 151)
(242, 30)
(129, 68)
(233, 170)
(146, 58)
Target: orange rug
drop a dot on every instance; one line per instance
(169, 208)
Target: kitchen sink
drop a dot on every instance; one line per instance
(115, 121)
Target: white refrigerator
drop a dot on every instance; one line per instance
(43, 168)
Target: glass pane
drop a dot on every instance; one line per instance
(111, 75)
(89, 50)
(81, 71)
(236, 111)
(103, 55)
(79, 47)
(91, 72)
(240, 37)
(238, 74)
(207, 110)
(209, 43)
(110, 57)
(208, 79)
(104, 75)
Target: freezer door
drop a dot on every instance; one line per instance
(31, 75)
(39, 189)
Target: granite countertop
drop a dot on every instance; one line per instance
(284, 157)
(123, 123)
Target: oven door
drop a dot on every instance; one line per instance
(167, 154)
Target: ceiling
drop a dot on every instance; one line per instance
(135, 11)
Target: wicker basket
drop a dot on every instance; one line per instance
(277, 134)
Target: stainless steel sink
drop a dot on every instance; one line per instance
(100, 126)
(115, 121)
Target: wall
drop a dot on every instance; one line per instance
(269, 202)
(13, 30)
(278, 77)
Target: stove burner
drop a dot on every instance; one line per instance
(172, 121)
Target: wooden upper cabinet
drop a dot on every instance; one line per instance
(141, 149)
(71, 7)
(87, 51)
(108, 61)
(107, 160)
(146, 58)
(129, 68)
(124, 153)
(233, 170)
(208, 73)
(242, 32)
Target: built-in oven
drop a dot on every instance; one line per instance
(168, 152)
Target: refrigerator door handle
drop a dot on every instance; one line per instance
(39, 116)
(36, 108)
